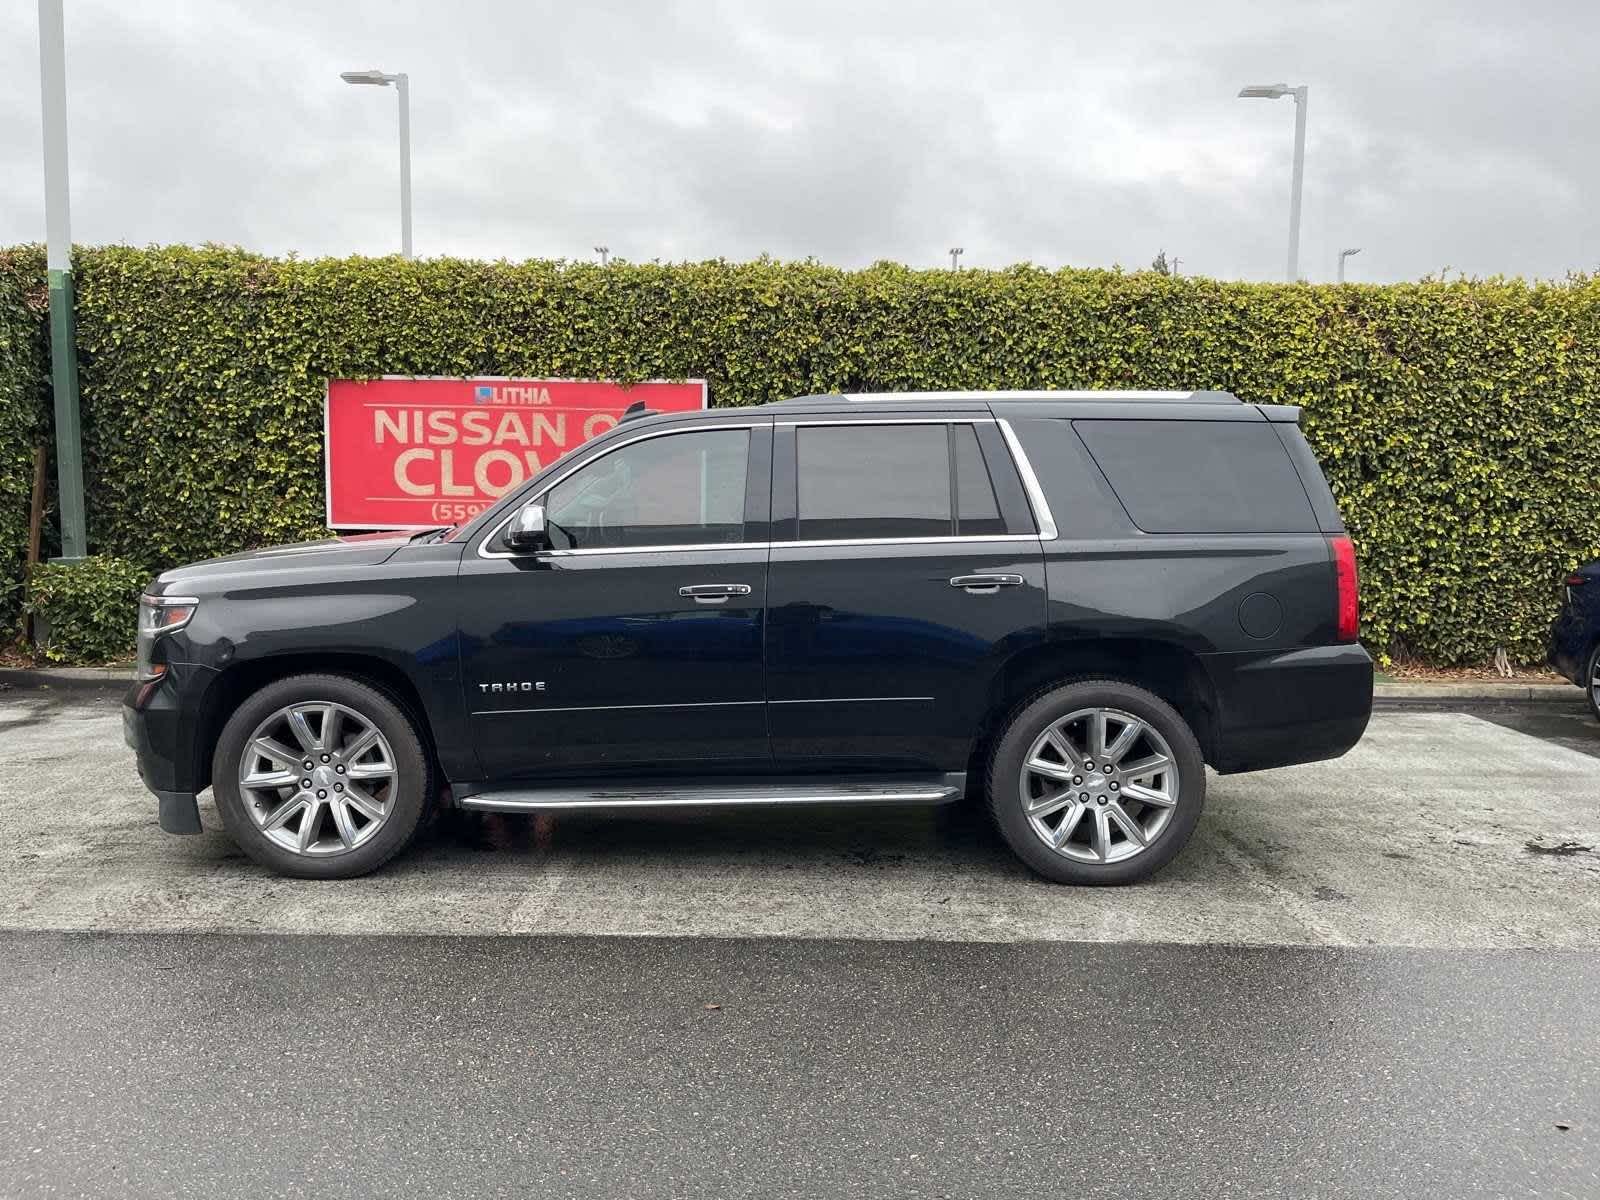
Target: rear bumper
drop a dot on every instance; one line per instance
(160, 722)
(1570, 642)
(1297, 706)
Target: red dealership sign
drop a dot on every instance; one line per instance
(408, 452)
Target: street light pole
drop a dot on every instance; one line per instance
(58, 264)
(1344, 254)
(955, 257)
(1299, 176)
(605, 254)
(402, 85)
(1274, 91)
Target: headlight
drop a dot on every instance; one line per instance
(158, 616)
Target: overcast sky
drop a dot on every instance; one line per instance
(1457, 135)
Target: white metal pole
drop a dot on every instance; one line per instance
(53, 85)
(1299, 173)
(58, 265)
(403, 85)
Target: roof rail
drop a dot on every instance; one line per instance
(1170, 397)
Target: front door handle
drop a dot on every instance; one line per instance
(713, 593)
(985, 585)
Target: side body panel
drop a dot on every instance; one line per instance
(397, 607)
(1256, 612)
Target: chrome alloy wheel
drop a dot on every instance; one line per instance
(1099, 785)
(318, 778)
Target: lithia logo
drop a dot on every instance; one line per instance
(516, 685)
(510, 393)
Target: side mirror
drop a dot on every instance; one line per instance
(527, 529)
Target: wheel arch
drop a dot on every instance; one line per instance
(242, 680)
(1171, 671)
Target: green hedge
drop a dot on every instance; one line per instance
(1457, 421)
(24, 306)
(86, 612)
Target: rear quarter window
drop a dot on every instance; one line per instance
(1200, 476)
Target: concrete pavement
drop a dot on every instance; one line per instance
(1440, 829)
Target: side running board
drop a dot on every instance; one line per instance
(754, 790)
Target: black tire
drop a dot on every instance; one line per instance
(1029, 722)
(413, 788)
(1591, 682)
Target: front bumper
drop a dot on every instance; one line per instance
(1280, 708)
(161, 723)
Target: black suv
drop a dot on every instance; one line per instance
(1066, 602)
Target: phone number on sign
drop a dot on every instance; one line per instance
(456, 512)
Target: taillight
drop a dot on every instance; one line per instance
(1576, 581)
(1349, 603)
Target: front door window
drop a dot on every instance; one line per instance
(681, 489)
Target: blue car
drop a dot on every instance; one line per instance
(1575, 637)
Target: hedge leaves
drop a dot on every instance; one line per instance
(1459, 422)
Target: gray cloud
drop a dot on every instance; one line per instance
(1440, 135)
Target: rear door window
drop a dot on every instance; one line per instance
(977, 509)
(873, 481)
(1200, 476)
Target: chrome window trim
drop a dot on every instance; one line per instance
(671, 431)
(1030, 484)
(832, 419)
(911, 541)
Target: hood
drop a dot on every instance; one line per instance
(340, 553)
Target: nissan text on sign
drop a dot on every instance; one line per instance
(416, 452)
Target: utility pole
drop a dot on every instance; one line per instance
(58, 262)
(955, 257)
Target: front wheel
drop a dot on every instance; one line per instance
(321, 777)
(1096, 782)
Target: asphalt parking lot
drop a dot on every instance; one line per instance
(1372, 977)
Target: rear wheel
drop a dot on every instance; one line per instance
(321, 776)
(1096, 782)
(1593, 687)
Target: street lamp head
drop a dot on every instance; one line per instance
(1266, 91)
(376, 78)
(1349, 252)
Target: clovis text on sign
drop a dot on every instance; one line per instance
(407, 452)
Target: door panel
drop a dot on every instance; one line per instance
(875, 660)
(595, 661)
(636, 643)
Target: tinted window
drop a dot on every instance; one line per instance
(678, 489)
(1200, 476)
(977, 510)
(873, 481)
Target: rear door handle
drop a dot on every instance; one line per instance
(984, 585)
(713, 593)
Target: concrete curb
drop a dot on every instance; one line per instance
(1478, 694)
(106, 679)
